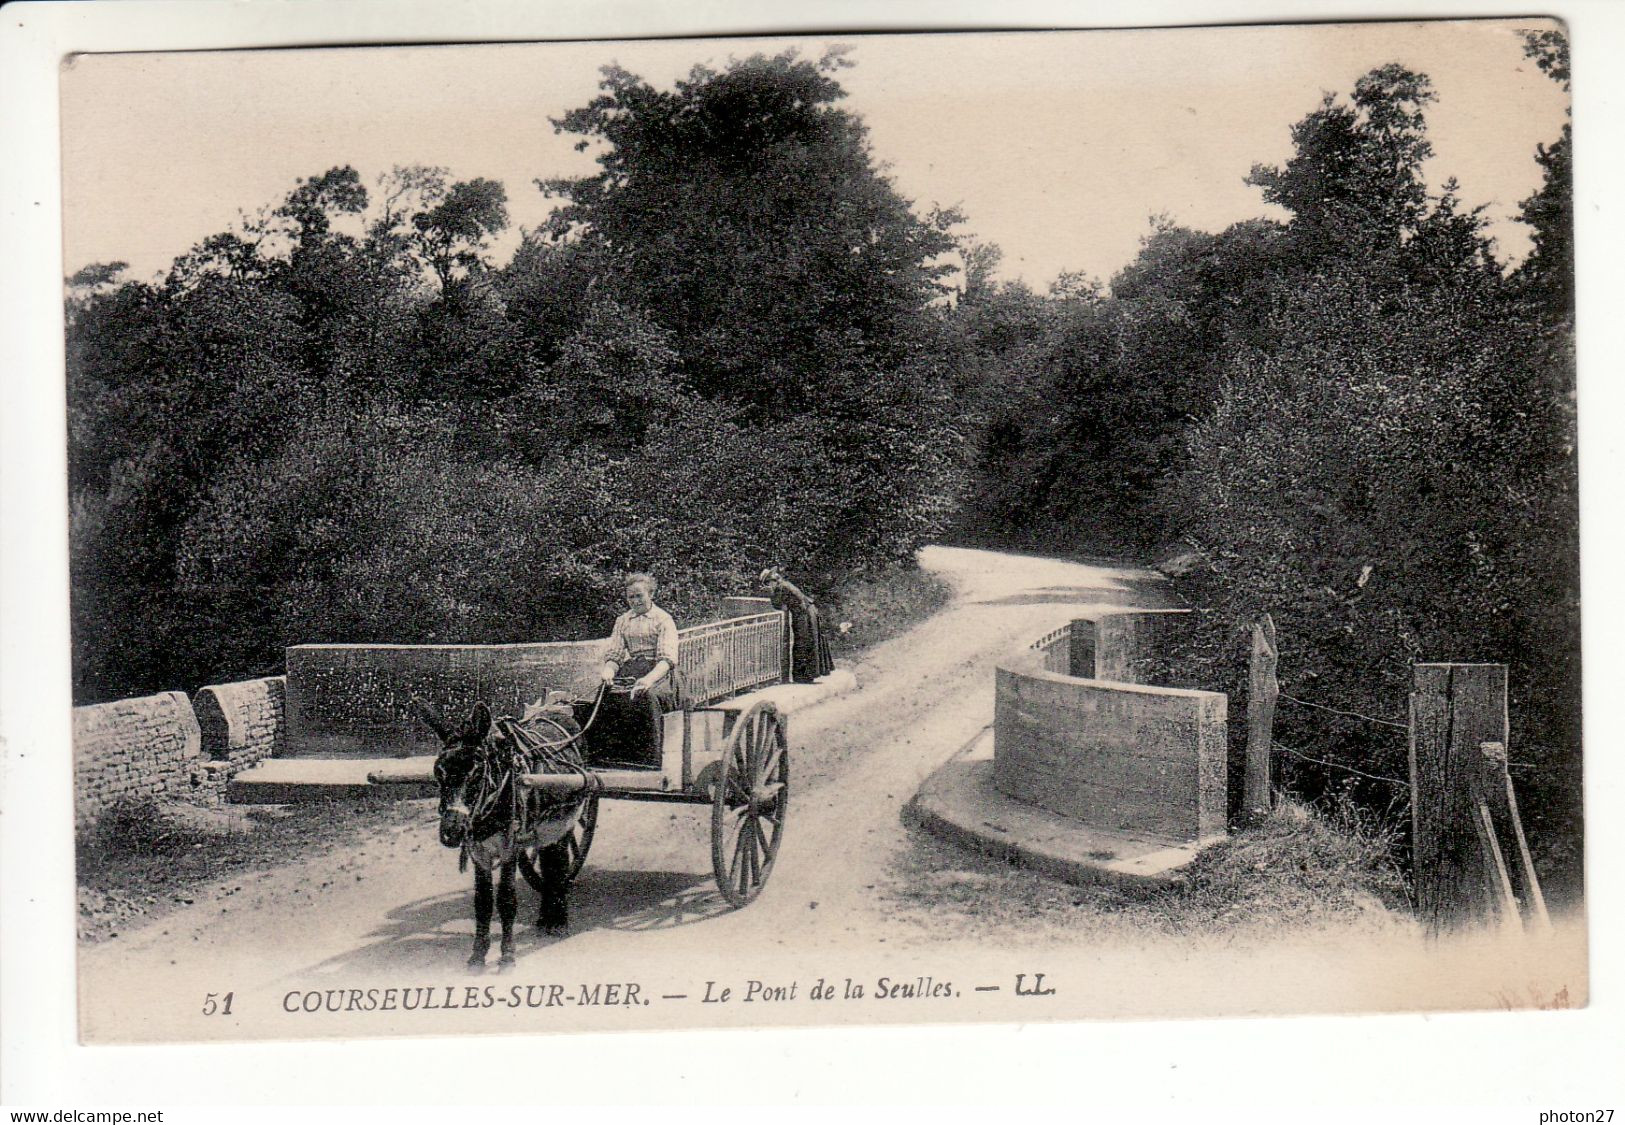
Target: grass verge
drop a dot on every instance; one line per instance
(881, 606)
(1300, 869)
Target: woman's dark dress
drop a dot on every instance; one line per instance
(809, 650)
(628, 731)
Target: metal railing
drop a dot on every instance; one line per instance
(724, 658)
(1056, 645)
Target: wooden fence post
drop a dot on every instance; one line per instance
(1517, 885)
(1262, 690)
(1455, 709)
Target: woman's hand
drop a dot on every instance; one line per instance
(607, 674)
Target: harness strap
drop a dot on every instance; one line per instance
(520, 749)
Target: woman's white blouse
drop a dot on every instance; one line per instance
(652, 634)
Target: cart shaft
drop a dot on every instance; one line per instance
(655, 781)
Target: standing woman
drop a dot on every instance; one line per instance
(809, 652)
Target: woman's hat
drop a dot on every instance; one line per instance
(767, 575)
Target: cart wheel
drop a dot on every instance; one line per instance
(747, 808)
(576, 842)
(579, 839)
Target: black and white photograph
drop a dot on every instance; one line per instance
(874, 528)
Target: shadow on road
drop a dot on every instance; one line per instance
(1148, 594)
(435, 934)
(637, 901)
(430, 934)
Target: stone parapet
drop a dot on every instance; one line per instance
(1111, 754)
(134, 749)
(352, 700)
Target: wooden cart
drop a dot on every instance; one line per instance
(733, 756)
(725, 747)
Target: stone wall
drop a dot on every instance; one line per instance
(168, 748)
(241, 725)
(133, 749)
(1124, 644)
(1103, 747)
(1081, 650)
(350, 701)
(744, 606)
(336, 701)
(1114, 646)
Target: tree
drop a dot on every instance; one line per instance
(547, 289)
(166, 386)
(741, 215)
(451, 236)
(89, 282)
(464, 347)
(352, 299)
(1085, 418)
(1354, 183)
(981, 262)
(1388, 469)
(743, 211)
(613, 378)
(1548, 272)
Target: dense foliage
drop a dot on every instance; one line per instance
(1355, 420)
(346, 422)
(734, 344)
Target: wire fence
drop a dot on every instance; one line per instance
(1453, 791)
(1345, 714)
(1338, 765)
(1386, 724)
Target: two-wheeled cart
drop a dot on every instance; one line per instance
(732, 755)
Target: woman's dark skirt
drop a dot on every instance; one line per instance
(627, 731)
(810, 656)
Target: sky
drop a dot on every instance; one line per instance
(1057, 146)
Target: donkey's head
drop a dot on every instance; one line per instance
(461, 751)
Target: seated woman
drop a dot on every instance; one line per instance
(810, 657)
(643, 646)
(642, 660)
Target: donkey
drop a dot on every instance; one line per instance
(499, 824)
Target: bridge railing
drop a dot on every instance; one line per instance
(724, 658)
(1056, 647)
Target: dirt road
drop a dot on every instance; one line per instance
(399, 907)
(890, 925)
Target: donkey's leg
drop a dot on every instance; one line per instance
(482, 919)
(555, 913)
(507, 907)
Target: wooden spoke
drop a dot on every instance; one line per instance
(578, 841)
(772, 762)
(758, 746)
(749, 807)
(733, 867)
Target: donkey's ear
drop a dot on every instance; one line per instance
(424, 710)
(479, 722)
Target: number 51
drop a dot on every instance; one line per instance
(222, 1006)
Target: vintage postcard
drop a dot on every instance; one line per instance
(867, 529)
